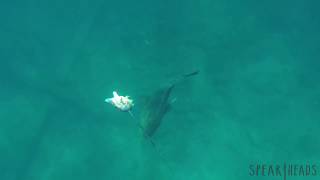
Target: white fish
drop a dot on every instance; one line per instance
(123, 103)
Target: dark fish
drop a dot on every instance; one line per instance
(157, 106)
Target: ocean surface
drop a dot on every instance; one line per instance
(255, 101)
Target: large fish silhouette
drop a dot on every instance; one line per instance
(157, 106)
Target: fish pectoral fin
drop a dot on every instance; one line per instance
(173, 101)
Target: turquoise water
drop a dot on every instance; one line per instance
(256, 99)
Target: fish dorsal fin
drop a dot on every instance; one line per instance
(183, 78)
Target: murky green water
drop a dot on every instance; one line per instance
(256, 99)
